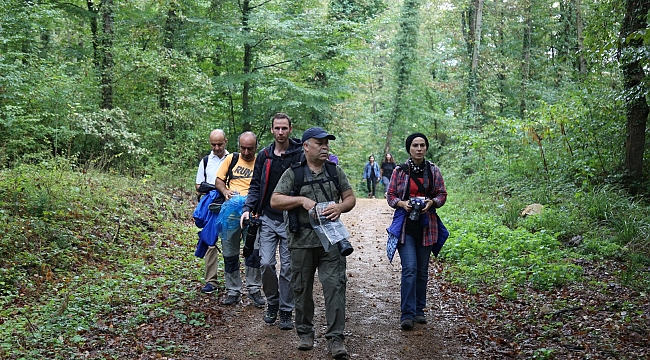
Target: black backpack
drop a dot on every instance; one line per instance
(299, 170)
(299, 177)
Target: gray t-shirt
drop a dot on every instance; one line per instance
(307, 238)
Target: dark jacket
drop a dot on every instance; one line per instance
(260, 187)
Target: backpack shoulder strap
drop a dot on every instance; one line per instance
(330, 168)
(205, 167)
(298, 176)
(233, 162)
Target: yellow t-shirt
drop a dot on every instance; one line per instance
(242, 173)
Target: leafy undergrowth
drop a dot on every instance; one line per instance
(562, 284)
(97, 266)
(87, 258)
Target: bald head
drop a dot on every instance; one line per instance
(248, 145)
(218, 142)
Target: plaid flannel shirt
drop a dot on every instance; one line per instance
(397, 190)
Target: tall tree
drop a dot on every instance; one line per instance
(171, 27)
(472, 24)
(582, 63)
(632, 53)
(405, 59)
(108, 17)
(525, 57)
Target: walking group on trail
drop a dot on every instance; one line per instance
(285, 202)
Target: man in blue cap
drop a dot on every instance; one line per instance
(322, 181)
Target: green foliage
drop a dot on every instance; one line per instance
(86, 249)
(494, 255)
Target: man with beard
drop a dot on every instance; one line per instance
(271, 162)
(231, 183)
(307, 252)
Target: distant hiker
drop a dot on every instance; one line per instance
(333, 158)
(320, 181)
(269, 166)
(387, 167)
(371, 175)
(233, 181)
(207, 172)
(415, 190)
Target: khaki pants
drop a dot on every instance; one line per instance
(331, 273)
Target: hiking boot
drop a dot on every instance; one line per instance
(336, 347)
(271, 314)
(407, 324)
(420, 319)
(208, 289)
(257, 298)
(231, 300)
(285, 320)
(306, 342)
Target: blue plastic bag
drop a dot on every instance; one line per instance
(230, 208)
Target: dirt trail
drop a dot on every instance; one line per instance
(372, 326)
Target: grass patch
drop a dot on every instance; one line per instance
(84, 253)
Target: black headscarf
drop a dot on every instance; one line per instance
(409, 140)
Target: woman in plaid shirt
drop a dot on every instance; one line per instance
(417, 178)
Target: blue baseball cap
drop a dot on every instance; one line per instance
(316, 133)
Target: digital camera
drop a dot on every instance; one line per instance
(417, 204)
(253, 222)
(345, 248)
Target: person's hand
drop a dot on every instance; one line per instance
(308, 203)
(244, 216)
(228, 194)
(406, 205)
(428, 204)
(332, 212)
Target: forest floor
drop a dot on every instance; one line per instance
(612, 322)
(372, 310)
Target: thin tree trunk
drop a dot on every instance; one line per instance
(525, 61)
(406, 58)
(582, 63)
(94, 31)
(476, 45)
(107, 59)
(171, 25)
(247, 68)
(633, 76)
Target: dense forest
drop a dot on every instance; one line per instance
(550, 87)
(106, 107)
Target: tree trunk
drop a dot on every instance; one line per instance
(582, 63)
(633, 76)
(406, 43)
(525, 61)
(171, 25)
(248, 66)
(107, 59)
(94, 31)
(472, 93)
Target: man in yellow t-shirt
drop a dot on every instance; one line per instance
(230, 185)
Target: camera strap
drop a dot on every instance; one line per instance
(422, 187)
